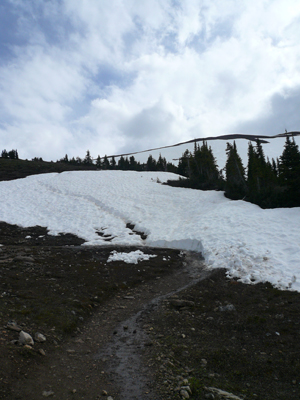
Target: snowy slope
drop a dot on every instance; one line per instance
(253, 244)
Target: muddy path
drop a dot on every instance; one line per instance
(106, 357)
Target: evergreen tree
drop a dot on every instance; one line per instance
(235, 187)
(105, 162)
(289, 172)
(132, 163)
(151, 164)
(184, 164)
(4, 154)
(112, 163)
(161, 164)
(204, 169)
(88, 159)
(98, 162)
(121, 163)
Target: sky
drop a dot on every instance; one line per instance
(253, 244)
(121, 76)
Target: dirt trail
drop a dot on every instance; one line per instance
(106, 356)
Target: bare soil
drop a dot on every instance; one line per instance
(122, 330)
(136, 331)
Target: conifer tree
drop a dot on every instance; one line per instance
(151, 164)
(88, 159)
(98, 162)
(105, 162)
(112, 163)
(184, 164)
(235, 187)
(289, 172)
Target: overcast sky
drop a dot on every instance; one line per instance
(117, 76)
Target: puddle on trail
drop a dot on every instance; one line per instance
(123, 355)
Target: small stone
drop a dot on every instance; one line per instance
(184, 394)
(104, 393)
(48, 393)
(25, 338)
(228, 307)
(42, 352)
(39, 337)
(74, 391)
(187, 388)
(109, 398)
(13, 326)
(203, 362)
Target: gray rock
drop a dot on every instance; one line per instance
(24, 259)
(25, 338)
(228, 307)
(48, 393)
(184, 394)
(39, 337)
(222, 394)
(13, 326)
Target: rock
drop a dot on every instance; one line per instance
(39, 337)
(42, 352)
(25, 338)
(26, 346)
(228, 307)
(109, 398)
(209, 396)
(24, 259)
(184, 394)
(13, 326)
(187, 388)
(203, 362)
(222, 394)
(48, 393)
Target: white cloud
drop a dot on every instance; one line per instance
(126, 75)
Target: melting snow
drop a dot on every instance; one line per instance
(251, 243)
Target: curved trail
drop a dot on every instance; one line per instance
(124, 352)
(106, 356)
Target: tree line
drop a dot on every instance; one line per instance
(12, 154)
(269, 184)
(123, 163)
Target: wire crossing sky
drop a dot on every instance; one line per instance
(119, 76)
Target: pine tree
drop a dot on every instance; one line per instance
(151, 164)
(4, 154)
(98, 162)
(88, 159)
(204, 169)
(161, 163)
(235, 187)
(184, 164)
(105, 162)
(289, 172)
(112, 163)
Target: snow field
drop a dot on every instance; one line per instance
(251, 243)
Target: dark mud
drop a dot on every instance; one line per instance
(134, 331)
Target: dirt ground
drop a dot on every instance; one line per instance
(122, 330)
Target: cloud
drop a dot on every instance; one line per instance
(123, 76)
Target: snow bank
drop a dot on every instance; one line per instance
(253, 244)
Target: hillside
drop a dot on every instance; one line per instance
(16, 169)
(141, 331)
